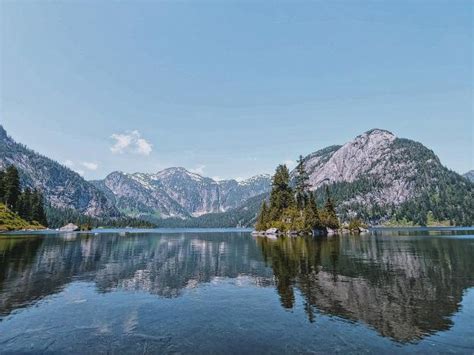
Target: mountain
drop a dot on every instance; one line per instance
(177, 192)
(242, 216)
(379, 176)
(62, 187)
(469, 175)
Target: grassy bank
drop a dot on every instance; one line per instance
(10, 221)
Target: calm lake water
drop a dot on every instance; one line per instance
(227, 292)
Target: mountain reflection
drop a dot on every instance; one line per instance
(35, 267)
(405, 288)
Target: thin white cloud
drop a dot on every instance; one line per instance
(90, 165)
(217, 178)
(198, 170)
(130, 142)
(80, 172)
(143, 146)
(68, 163)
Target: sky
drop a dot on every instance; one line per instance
(230, 89)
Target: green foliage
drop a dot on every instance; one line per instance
(290, 211)
(312, 219)
(29, 205)
(11, 187)
(281, 196)
(263, 217)
(356, 223)
(301, 184)
(10, 220)
(330, 217)
(58, 217)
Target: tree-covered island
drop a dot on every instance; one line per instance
(293, 209)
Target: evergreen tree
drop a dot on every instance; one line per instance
(2, 185)
(37, 208)
(11, 188)
(281, 196)
(312, 219)
(301, 185)
(24, 205)
(262, 218)
(330, 212)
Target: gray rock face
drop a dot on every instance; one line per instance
(469, 175)
(374, 155)
(62, 187)
(176, 192)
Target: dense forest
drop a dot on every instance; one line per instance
(58, 217)
(27, 204)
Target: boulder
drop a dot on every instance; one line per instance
(70, 227)
(272, 231)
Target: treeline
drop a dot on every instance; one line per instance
(28, 204)
(58, 217)
(295, 208)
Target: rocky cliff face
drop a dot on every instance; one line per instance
(176, 192)
(377, 170)
(62, 187)
(469, 175)
(372, 154)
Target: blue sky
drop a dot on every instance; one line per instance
(231, 89)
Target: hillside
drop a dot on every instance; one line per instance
(469, 175)
(177, 193)
(379, 177)
(11, 221)
(242, 216)
(62, 187)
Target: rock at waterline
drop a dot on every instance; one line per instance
(70, 227)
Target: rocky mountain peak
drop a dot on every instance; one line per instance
(469, 175)
(350, 161)
(177, 172)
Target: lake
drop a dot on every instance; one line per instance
(224, 291)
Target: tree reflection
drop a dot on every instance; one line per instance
(405, 289)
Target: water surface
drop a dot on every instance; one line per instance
(223, 291)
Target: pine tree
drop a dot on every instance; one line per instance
(312, 219)
(37, 208)
(24, 205)
(262, 218)
(330, 212)
(2, 185)
(281, 196)
(301, 184)
(11, 188)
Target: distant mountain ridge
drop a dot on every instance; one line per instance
(376, 176)
(62, 187)
(380, 178)
(469, 175)
(177, 192)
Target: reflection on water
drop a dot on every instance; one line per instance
(31, 268)
(405, 288)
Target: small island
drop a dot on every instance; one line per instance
(293, 210)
